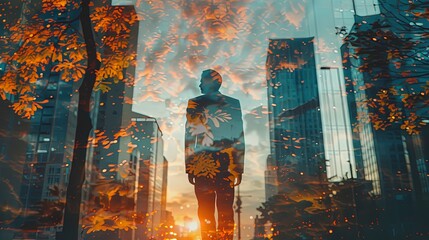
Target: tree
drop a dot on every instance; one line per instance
(307, 208)
(390, 52)
(304, 208)
(57, 36)
(113, 208)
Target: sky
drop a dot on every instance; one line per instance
(180, 39)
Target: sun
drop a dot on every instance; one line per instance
(192, 226)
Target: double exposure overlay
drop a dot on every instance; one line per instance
(214, 119)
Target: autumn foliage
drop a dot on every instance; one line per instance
(47, 39)
(50, 38)
(389, 52)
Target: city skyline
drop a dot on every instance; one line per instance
(161, 53)
(311, 106)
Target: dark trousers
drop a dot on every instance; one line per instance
(211, 193)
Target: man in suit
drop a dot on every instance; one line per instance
(214, 155)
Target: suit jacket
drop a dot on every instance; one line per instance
(214, 127)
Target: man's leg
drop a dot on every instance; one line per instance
(205, 192)
(224, 202)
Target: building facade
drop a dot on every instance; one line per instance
(393, 160)
(293, 103)
(48, 154)
(152, 178)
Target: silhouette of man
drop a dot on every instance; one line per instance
(214, 155)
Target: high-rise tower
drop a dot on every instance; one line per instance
(293, 104)
(389, 156)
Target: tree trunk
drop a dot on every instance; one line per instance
(83, 128)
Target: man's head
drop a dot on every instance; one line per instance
(210, 81)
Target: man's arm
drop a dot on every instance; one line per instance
(239, 143)
(189, 139)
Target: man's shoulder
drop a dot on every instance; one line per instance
(196, 99)
(231, 101)
(193, 102)
(220, 97)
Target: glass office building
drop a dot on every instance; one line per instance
(293, 105)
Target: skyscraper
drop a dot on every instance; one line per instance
(293, 104)
(50, 137)
(393, 160)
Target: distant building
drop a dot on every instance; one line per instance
(130, 156)
(169, 229)
(152, 178)
(259, 228)
(293, 105)
(140, 170)
(271, 184)
(165, 215)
